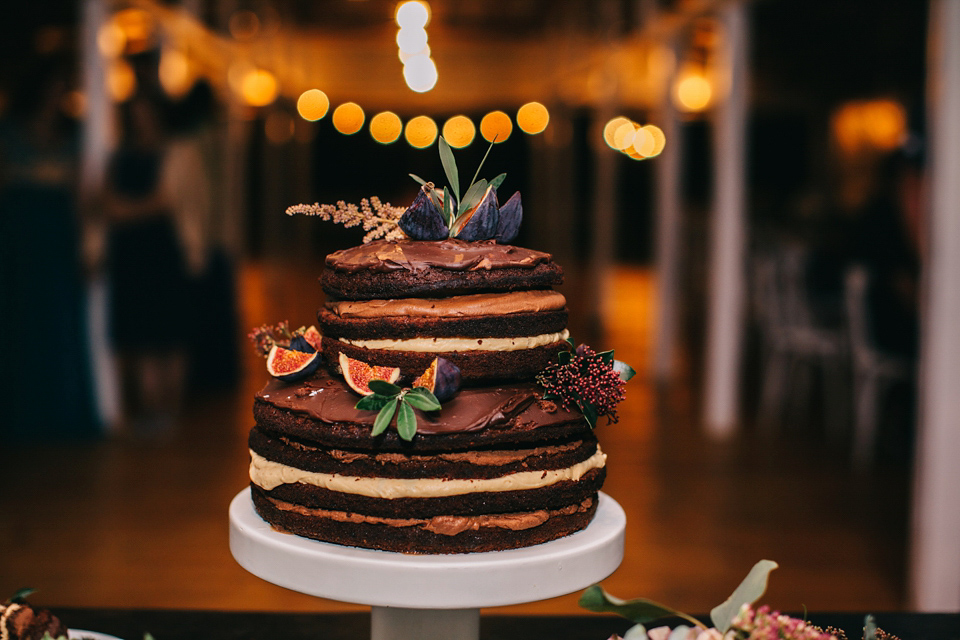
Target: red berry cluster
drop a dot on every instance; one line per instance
(587, 379)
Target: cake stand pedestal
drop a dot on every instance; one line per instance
(428, 596)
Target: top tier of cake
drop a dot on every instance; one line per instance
(488, 308)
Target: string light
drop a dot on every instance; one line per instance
(533, 118)
(385, 127)
(348, 118)
(496, 126)
(313, 104)
(420, 132)
(638, 142)
(459, 131)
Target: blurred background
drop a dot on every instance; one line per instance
(747, 198)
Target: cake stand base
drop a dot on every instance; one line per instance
(427, 596)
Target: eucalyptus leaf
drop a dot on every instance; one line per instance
(21, 594)
(639, 610)
(383, 387)
(590, 414)
(626, 371)
(447, 207)
(496, 182)
(450, 167)
(383, 419)
(372, 402)
(473, 196)
(479, 166)
(748, 592)
(418, 178)
(406, 421)
(421, 398)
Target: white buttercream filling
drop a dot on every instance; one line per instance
(440, 345)
(270, 475)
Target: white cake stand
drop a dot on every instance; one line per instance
(428, 596)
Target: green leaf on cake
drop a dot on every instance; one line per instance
(589, 414)
(383, 387)
(418, 179)
(639, 610)
(626, 371)
(471, 198)
(447, 207)
(749, 591)
(421, 398)
(450, 167)
(406, 421)
(372, 402)
(383, 418)
(21, 594)
(496, 182)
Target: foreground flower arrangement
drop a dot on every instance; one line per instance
(735, 619)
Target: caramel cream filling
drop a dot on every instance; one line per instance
(477, 304)
(443, 525)
(268, 475)
(441, 345)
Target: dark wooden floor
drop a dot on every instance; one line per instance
(142, 522)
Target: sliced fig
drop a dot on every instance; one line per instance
(291, 365)
(423, 220)
(358, 374)
(511, 214)
(480, 221)
(308, 341)
(442, 379)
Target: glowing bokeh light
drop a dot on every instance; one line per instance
(459, 131)
(420, 73)
(175, 72)
(411, 40)
(138, 28)
(496, 125)
(386, 127)
(121, 80)
(348, 118)
(610, 128)
(693, 92)
(313, 104)
(404, 56)
(420, 132)
(244, 25)
(111, 39)
(258, 87)
(533, 118)
(644, 142)
(413, 14)
(624, 135)
(659, 139)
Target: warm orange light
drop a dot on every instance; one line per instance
(420, 132)
(659, 139)
(623, 136)
(348, 118)
(386, 127)
(610, 128)
(244, 25)
(692, 91)
(111, 39)
(413, 14)
(459, 131)
(533, 118)
(258, 87)
(874, 124)
(643, 142)
(313, 104)
(176, 75)
(137, 26)
(121, 80)
(496, 126)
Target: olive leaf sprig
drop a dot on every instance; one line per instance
(454, 209)
(389, 399)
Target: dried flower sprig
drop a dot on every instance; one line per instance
(266, 336)
(592, 382)
(378, 219)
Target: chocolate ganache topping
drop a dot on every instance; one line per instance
(453, 255)
(329, 400)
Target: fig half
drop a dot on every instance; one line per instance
(480, 221)
(291, 365)
(423, 220)
(442, 379)
(358, 374)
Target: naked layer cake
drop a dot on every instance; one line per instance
(441, 407)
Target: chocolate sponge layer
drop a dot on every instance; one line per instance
(400, 327)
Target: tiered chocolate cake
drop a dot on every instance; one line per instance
(428, 428)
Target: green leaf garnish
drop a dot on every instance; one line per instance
(748, 592)
(372, 402)
(418, 179)
(383, 418)
(639, 610)
(589, 414)
(496, 182)
(447, 208)
(421, 398)
(21, 594)
(406, 421)
(450, 167)
(483, 160)
(472, 197)
(384, 388)
(626, 371)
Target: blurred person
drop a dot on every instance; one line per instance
(146, 272)
(45, 369)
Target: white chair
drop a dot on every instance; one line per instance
(874, 371)
(794, 344)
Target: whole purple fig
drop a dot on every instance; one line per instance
(423, 220)
(480, 222)
(511, 214)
